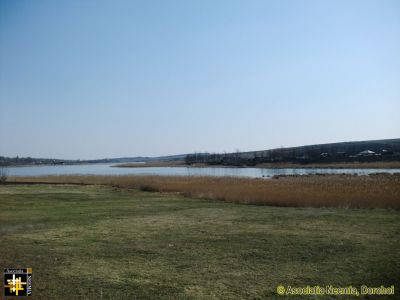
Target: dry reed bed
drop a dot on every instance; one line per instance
(374, 191)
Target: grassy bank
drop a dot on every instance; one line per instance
(376, 191)
(101, 242)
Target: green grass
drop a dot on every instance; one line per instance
(86, 241)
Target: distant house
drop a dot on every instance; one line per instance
(324, 155)
(366, 153)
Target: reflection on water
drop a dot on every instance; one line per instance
(105, 169)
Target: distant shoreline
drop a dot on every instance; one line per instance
(352, 165)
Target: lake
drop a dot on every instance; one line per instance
(106, 169)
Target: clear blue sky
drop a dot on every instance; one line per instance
(92, 79)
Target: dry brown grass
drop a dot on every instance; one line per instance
(375, 191)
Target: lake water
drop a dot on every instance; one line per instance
(106, 169)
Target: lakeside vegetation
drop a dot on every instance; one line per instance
(373, 191)
(103, 242)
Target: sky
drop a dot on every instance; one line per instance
(93, 79)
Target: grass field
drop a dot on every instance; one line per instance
(103, 242)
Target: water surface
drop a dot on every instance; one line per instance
(106, 169)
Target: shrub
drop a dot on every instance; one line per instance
(3, 175)
(148, 188)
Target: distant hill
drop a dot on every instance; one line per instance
(20, 161)
(374, 150)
